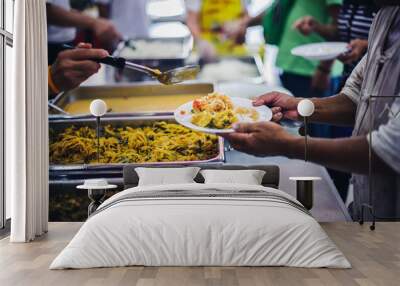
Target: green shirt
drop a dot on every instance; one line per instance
(292, 38)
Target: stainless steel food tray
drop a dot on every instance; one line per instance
(119, 90)
(57, 125)
(161, 63)
(186, 47)
(254, 60)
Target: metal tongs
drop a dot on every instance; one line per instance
(168, 77)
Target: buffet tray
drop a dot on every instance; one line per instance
(157, 62)
(185, 43)
(155, 94)
(115, 169)
(254, 60)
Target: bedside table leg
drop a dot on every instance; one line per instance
(96, 198)
(305, 193)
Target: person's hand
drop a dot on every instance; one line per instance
(106, 32)
(357, 49)
(306, 25)
(283, 106)
(320, 81)
(236, 30)
(259, 139)
(72, 67)
(206, 50)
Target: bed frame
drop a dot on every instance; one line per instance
(271, 177)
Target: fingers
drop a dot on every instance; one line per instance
(87, 67)
(245, 127)
(277, 114)
(84, 46)
(276, 109)
(238, 141)
(297, 24)
(277, 117)
(291, 114)
(304, 25)
(348, 57)
(267, 99)
(83, 54)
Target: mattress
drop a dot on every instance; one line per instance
(201, 225)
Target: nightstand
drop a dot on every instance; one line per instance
(305, 190)
(96, 192)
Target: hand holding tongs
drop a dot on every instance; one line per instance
(169, 77)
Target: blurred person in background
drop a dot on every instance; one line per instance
(354, 21)
(302, 77)
(215, 26)
(375, 141)
(64, 21)
(129, 16)
(72, 67)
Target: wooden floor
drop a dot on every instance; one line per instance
(375, 257)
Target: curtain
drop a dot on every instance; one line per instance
(27, 124)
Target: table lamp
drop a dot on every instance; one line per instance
(305, 185)
(305, 108)
(98, 108)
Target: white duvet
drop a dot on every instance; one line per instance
(200, 231)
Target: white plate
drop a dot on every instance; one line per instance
(321, 51)
(264, 112)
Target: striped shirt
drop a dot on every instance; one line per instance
(355, 19)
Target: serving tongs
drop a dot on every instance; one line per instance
(168, 77)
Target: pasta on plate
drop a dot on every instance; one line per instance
(217, 110)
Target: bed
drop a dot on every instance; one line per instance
(201, 224)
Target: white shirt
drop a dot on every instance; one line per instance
(129, 17)
(57, 34)
(195, 5)
(386, 140)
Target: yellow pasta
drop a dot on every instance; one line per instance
(160, 142)
(214, 110)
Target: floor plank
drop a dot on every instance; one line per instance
(375, 257)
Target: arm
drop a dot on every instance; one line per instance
(68, 18)
(236, 30)
(72, 67)
(254, 21)
(358, 48)
(321, 79)
(337, 110)
(104, 10)
(270, 139)
(308, 24)
(192, 22)
(206, 49)
(103, 29)
(344, 154)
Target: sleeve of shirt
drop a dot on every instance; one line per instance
(193, 5)
(352, 87)
(385, 140)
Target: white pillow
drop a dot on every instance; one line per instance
(247, 177)
(166, 176)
